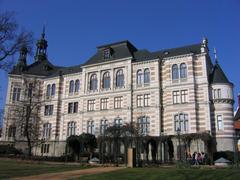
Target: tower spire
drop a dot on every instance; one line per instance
(215, 55)
(42, 44)
(43, 32)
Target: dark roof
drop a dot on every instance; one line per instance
(119, 50)
(66, 70)
(237, 115)
(40, 68)
(218, 76)
(125, 49)
(143, 55)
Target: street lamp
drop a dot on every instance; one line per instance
(180, 149)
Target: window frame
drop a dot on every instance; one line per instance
(93, 83)
(183, 71)
(90, 127)
(175, 72)
(91, 105)
(220, 125)
(106, 80)
(104, 103)
(71, 128)
(119, 78)
(118, 102)
(146, 76)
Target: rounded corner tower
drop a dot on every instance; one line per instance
(222, 109)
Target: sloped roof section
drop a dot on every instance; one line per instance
(123, 49)
(66, 70)
(144, 55)
(218, 76)
(237, 115)
(39, 68)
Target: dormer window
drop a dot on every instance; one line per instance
(106, 53)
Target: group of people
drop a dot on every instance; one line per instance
(198, 158)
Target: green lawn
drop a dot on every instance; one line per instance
(12, 168)
(167, 174)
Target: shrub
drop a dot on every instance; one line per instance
(9, 150)
(229, 155)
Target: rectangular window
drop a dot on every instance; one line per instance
(45, 148)
(90, 127)
(16, 94)
(139, 100)
(219, 122)
(176, 97)
(146, 99)
(104, 104)
(48, 110)
(184, 96)
(75, 107)
(106, 53)
(219, 93)
(91, 105)
(118, 102)
(216, 93)
(70, 108)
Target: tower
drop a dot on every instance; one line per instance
(222, 105)
(41, 52)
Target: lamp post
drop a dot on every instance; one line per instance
(180, 148)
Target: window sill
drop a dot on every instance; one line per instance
(92, 91)
(183, 80)
(119, 87)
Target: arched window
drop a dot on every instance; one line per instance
(118, 122)
(93, 82)
(119, 78)
(77, 85)
(48, 90)
(71, 86)
(11, 131)
(175, 72)
(146, 76)
(106, 80)
(103, 126)
(90, 127)
(183, 70)
(139, 77)
(71, 128)
(181, 122)
(53, 89)
(47, 130)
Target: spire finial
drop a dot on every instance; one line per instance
(215, 55)
(43, 31)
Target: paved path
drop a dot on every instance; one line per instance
(70, 174)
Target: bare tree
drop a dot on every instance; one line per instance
(28, 118)
(12, 38)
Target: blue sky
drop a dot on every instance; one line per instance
(74, 28)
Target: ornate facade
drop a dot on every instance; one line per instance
(165, 92)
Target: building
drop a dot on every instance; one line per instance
(165, 92)
(237, 123)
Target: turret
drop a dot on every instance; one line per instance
(222, 104)
(22, 61)
(41, 52)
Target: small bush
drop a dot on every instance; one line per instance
(225, 154)
(9, 150)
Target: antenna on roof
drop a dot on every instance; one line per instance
(215, 55)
